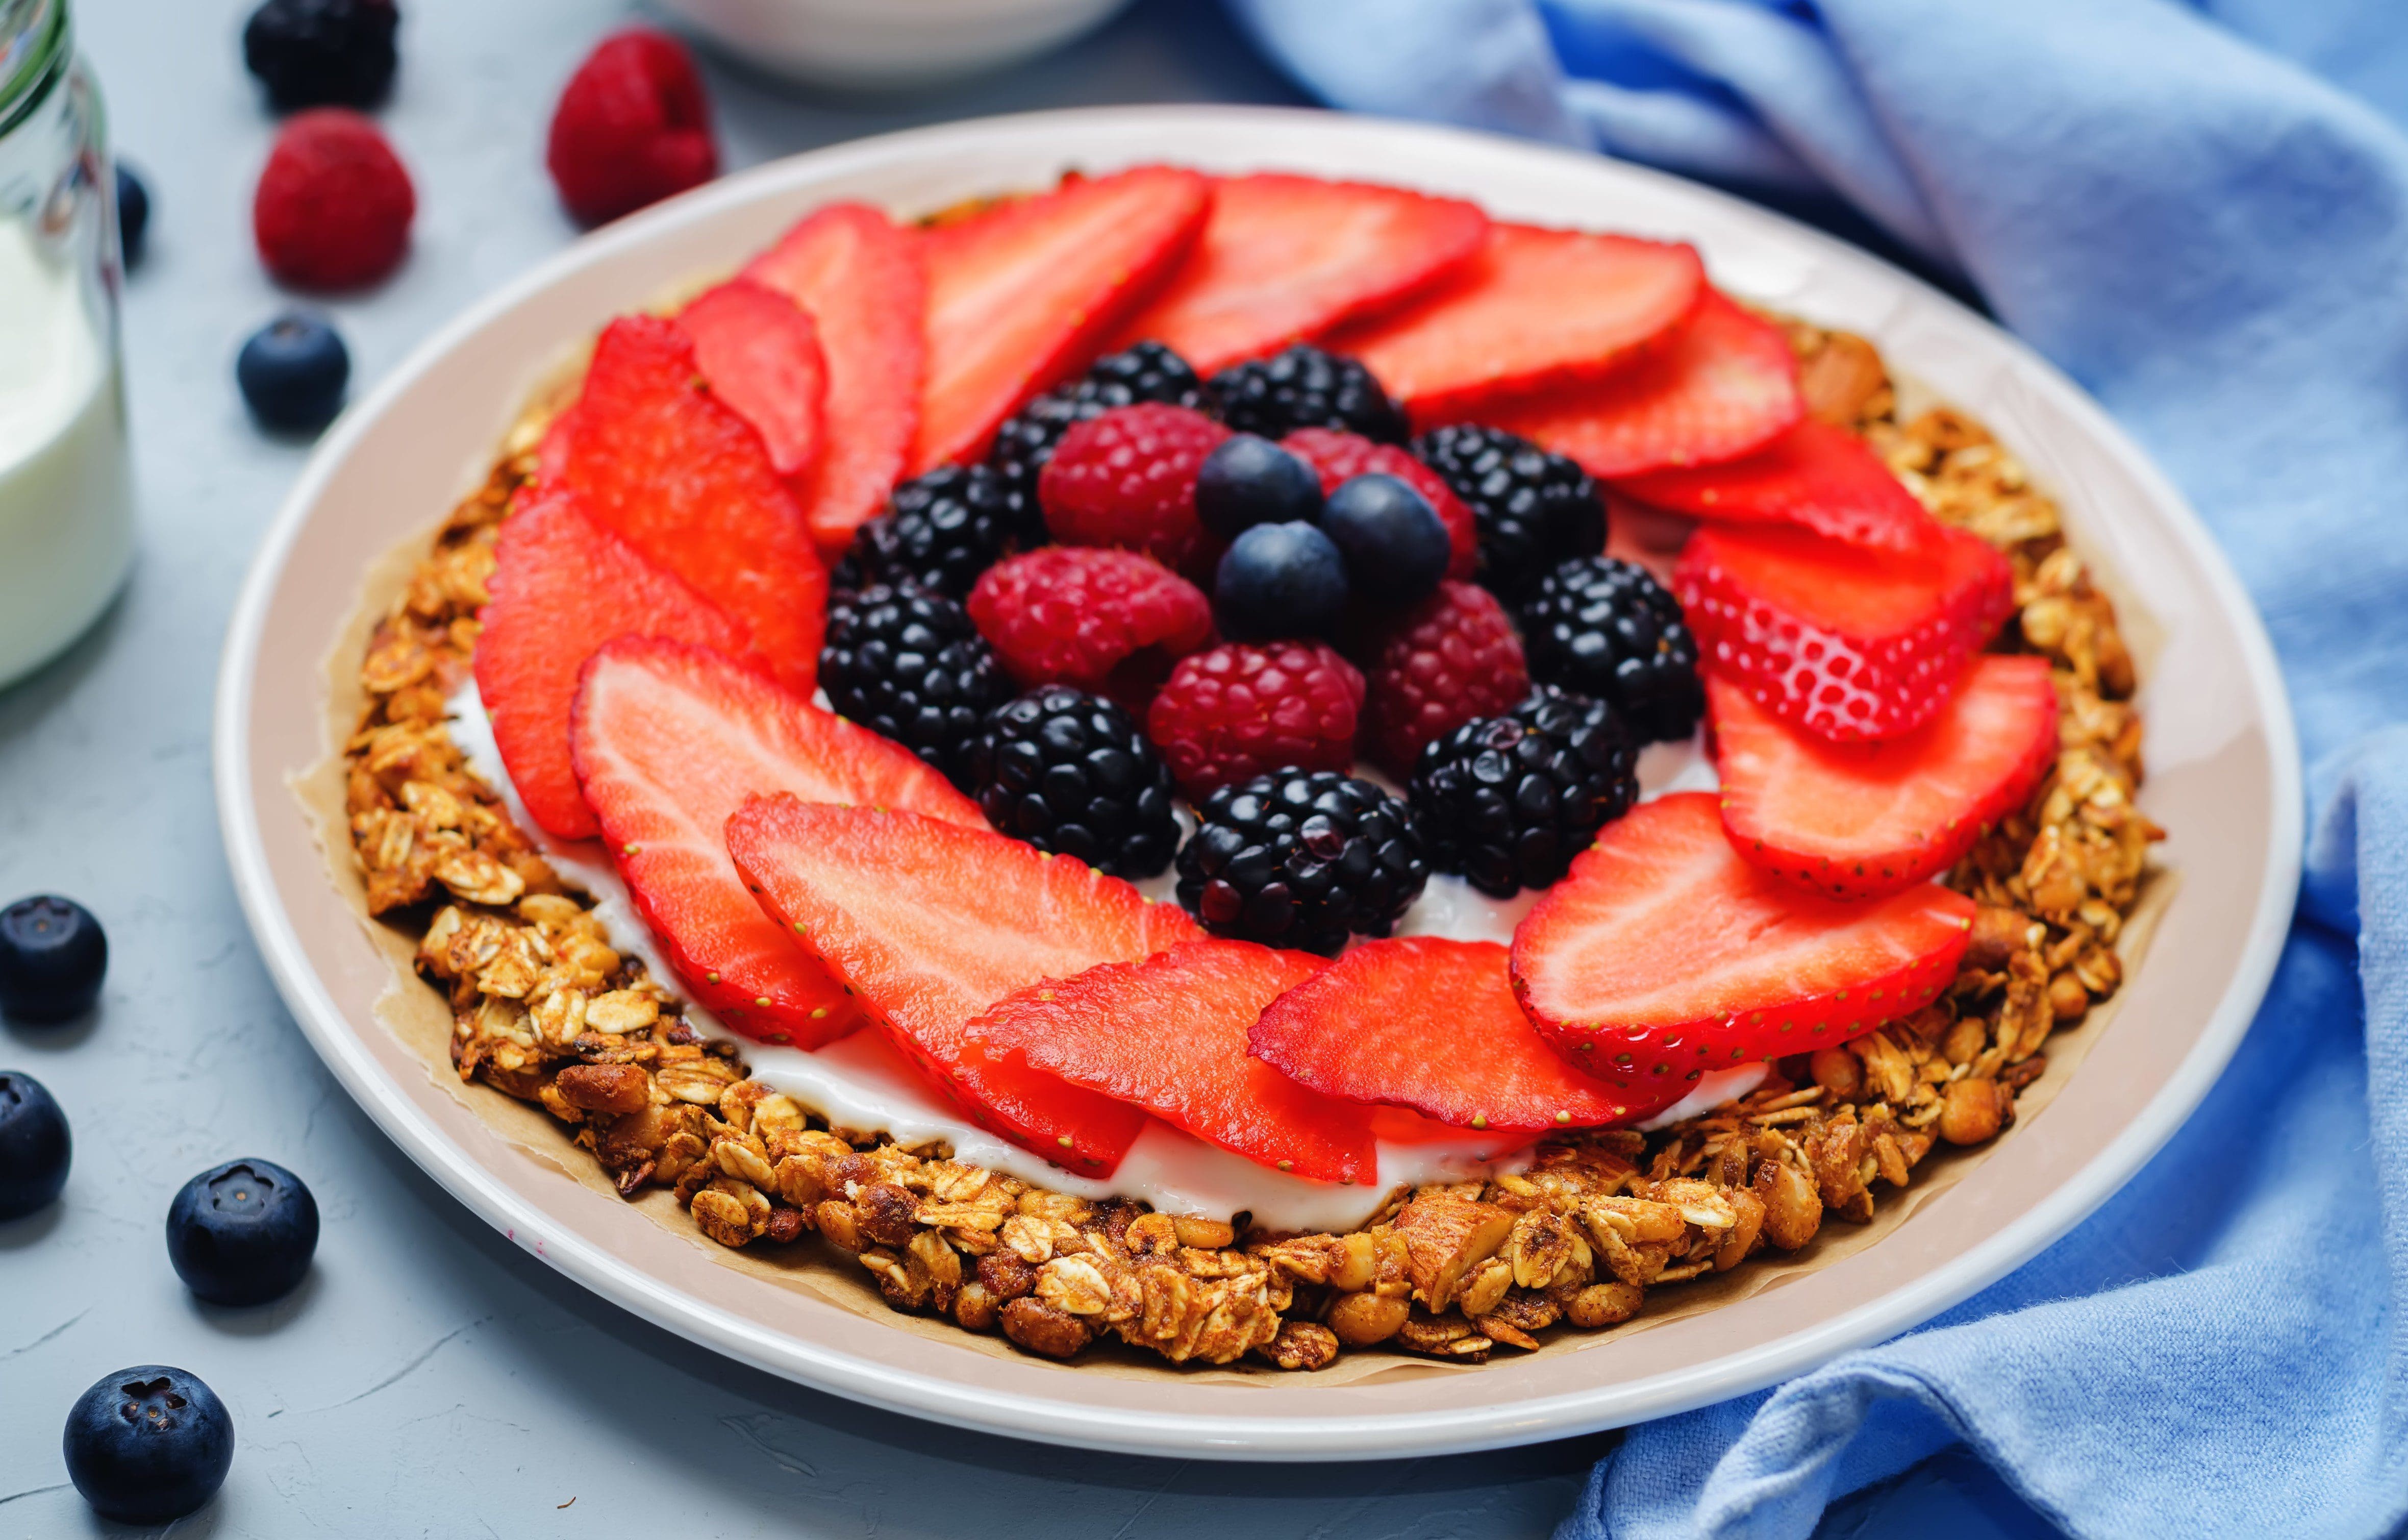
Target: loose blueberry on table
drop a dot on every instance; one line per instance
(292, 371)
(52, 957)
(149, 1444)
(242, 1232)
(133, 215)
(35, 1148)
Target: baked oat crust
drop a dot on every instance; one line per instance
(547, 1010)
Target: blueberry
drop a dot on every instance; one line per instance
(1249, 481)
(149, 1444)
(243, 1233)
(132, 214)
(52, 958)
(292, 371)
(35, 1148)
(319, 52)
(1278, 580)
(1396, 547)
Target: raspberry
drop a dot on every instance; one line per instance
(1339, 456)
(1239, 711)
(333, 205)
(1128, 478)
(1450, 659)
(1110, 622)
(633, 127)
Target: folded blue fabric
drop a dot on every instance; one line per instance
(2201, 213)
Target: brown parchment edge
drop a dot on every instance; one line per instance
(416, 1014)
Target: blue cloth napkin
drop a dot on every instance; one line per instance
(2201, 213)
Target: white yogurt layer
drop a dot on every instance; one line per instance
(863, 1083)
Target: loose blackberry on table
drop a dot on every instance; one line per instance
(1534, 509)
(1305, 387)
(1069, 772)
(1507, 801)
(1302, 859)
(908, 664)
(1144, 371)
(321, 53)
(939, 531)
(1601, 626)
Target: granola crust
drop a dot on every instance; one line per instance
(547, 1010)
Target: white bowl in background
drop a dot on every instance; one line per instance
(885, 45)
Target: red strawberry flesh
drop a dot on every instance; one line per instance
(761, 357)
(1282, 258)
(1168, 1033)
(682, 478)
(1723, 386)
(861, 278)
(562, 586)
(1814, 477)
(1663, 952)
(1432, 1024)
(1859, 820)
(930, 923)
(1534, 308)
(1021, 294)
(668, 741)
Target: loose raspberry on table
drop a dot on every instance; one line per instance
(633, 127)
(1239, 711)
(333, 204)
(1112, 622)
(1452, 658)
(1340, 456)
(1128, 477)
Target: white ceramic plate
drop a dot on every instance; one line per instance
(2222, 761)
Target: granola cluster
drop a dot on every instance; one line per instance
(547, 1010)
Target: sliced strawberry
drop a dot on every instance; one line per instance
(1432, 1024)
(668, 741)
(1815, 477)
(562, 586)
(1336, 455)
(1723, 385)
(861, 278)
(761, 356)
(683, 479)
(1662, 954)
(1168, 1033)
(552, 453)
(1848, 642)
(1021, 296)
(1858, 820)
(1534, 308)
(1282, 258)
(930, 923)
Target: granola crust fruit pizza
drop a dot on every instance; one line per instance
(1113, 766)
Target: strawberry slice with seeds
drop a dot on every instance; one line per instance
(562, 586)
(1168, 1033)
(930, 923)
(1338, 456)
(1814, 477)
(1021, 294)
(861, 278)
(1533, 309)
(1848, 642)
(1663, 953)
(668, 741)
(1431, 1024)
(1725, 385)
(761, 357)
(1859, 820)
(679, 475)
(1282, 258)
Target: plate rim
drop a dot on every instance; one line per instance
(1341, 1435)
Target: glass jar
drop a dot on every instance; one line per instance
(67, 493)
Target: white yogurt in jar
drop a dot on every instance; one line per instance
(66, 495)
(863, 1083)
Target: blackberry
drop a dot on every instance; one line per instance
(1302, 859)
(1534, 509)
(1304, 387)
(1507, 801)
(939, 531)
(910, 665)
(1603, 627)
(1145, 371)
(321, 53)
(1069, 772)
